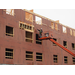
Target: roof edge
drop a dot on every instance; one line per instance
(46, 18)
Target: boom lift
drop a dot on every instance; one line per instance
(50, 37)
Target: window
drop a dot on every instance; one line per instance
(25, 26)
(65, 59)
(56, 26)
(55, 58)
(29, 37)
(38, 56)
(73, 60)
(9, 31)
(9, 53)
(29, 16)
(38, 20)
(29, 55)
(10, 11)
(73, 32)
(64, 30)
(53, 42)
(37, 40)
(73, 46)
(70, 31)
(65, 44)
(52, 25)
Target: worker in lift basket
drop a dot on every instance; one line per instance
(40, 32)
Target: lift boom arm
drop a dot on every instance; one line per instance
(45, 38)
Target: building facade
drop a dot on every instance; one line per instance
(19, 44)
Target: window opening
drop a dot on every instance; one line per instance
(65, 44)
(10, 11)
(53, 42)
(9, 53)
(73, 60)
(56, 26)
(38, 20)
(73, 46)
(27, 27)
(55, 58)
(29, 37)
(9, 31)
(64, 30)
(70, 31)
(38, 56)
(29, 55)
(37, 40)
(73, 33)
(29, 16)
(65, 59)
(52, 25)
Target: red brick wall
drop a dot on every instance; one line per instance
(19, 45)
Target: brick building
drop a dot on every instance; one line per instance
(19, 42)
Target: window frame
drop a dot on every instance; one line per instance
(55, 58)
(39, 55)
(38, 41)
(27, 58)
(28, 16)
(73, 59)
(66, 44)
(26, 26)
(9, 34)
(27, 38)
(53, 42)
(56, 26)
(52, 25)
(37, 22)
(10, 12)
(74, 46)
(66, 57)
(73, 32)
(70, 31)
(64, 29)
(9, 57)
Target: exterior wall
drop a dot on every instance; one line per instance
(19, 45)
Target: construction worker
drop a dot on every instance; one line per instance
(40, 32)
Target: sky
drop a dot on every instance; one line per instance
(65, 16)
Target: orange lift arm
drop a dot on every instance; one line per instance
(45, 38)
